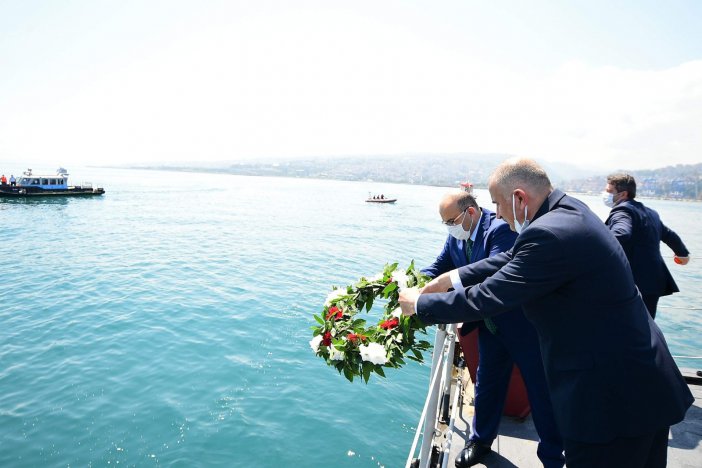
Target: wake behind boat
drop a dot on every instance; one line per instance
(31, 185)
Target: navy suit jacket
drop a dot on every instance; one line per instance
(640, 231)
(605, 359)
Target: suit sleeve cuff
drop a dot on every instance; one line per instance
(455, 280)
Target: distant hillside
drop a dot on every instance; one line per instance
(425, 169)
(448, 170)
(676, 182)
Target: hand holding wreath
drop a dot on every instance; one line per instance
(343, 339)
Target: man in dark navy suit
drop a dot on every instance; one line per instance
(640, 231)
(474, 234)
(614, 385)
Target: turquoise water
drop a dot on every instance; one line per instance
(167, 323)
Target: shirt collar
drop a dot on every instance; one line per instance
(477, 226)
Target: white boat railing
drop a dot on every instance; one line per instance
(438, 397)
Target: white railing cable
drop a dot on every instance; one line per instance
(430, 419)
(436, 373)
(436, 370)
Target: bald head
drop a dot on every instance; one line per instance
(518, 187)
(521, 173)
(459, 199)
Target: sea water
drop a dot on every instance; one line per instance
(167, 322)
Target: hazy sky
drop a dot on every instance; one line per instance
(613, 84)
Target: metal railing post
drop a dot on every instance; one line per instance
(430, 419)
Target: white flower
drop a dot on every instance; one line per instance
(335, 294)
(335, 354)
(314, 343)
(401, 278)
(373, 352)
(397, 313)
(375, 278)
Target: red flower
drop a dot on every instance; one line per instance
(326, 340)
(353, 337)
(389, 324)
(335, 312)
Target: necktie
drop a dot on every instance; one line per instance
(469, 249)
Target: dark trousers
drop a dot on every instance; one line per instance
(651, 304)
(516, 342)
(647, 451)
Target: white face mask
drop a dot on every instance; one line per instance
(519, 227)
(608, 199)
(457, 230)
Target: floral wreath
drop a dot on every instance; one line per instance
(343, 340)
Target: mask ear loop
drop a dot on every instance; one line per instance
(514, 212)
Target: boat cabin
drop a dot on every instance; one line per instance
(59, 181)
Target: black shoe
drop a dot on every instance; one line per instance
(472, 454)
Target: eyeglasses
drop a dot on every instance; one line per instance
(454, 221)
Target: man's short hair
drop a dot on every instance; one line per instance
(521, 173)
(621, 181)
(465, 200)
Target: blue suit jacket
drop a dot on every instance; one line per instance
(493, 236)
(640, 231)
(605, 359)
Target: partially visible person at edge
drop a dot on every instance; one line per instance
(3, 180)
(474, 234)
(640, 231)
(605, 358)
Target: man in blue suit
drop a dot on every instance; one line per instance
(605, 359)
(640, 231)
(474, 234)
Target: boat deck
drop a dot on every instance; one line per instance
(516, 442)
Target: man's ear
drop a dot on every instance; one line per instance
(521, 196)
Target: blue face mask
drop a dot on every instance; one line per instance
(519, 227)
(608, 199)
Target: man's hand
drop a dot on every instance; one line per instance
(408, 297)
(439, 284)
(681, 260)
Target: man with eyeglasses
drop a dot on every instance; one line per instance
(605, 359)
(475, 234)
(640, 232)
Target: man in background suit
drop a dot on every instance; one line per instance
(605, 358)
(474, 234)
(640, 231)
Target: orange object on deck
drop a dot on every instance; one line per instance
(517, 402)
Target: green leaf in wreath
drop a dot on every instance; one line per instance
(389, 288)
(319, 319)
(367, 369)
(379, 370)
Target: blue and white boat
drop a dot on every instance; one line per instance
(34, 185)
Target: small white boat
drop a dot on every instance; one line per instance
(379, 199)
